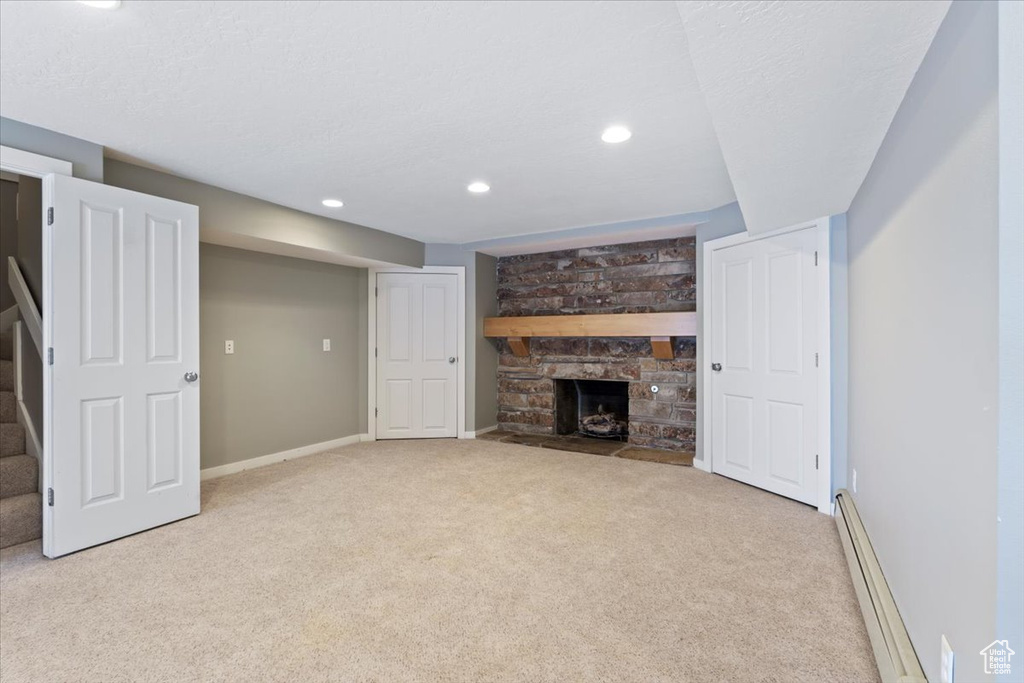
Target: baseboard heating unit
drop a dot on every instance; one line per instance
(897, 661)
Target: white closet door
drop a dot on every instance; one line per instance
(123, 310)
(417, 390)
(764, 385)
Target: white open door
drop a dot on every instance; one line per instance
(121, 317)
(417, 347)
(764, 356)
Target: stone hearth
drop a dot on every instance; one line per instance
(577, 444)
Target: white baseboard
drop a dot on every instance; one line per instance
(366, 437)
(702, 464)
(273, 458)
(473, 435)
(33, 446)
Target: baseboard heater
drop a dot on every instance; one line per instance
(897, 661)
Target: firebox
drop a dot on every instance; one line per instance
(590, 407)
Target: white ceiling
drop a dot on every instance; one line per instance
(802, 93)
(393, 107)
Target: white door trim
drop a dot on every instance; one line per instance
(821, 227)
(371, 305)
(38, 166)
(27, 163)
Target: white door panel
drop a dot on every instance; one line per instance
(765, 396)
(417, 349)
(122, 311)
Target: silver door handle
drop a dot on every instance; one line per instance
(451, 359)
(717, 367)
(191, 376)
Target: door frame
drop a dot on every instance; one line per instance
(25, 163)
(460, 317)
(824, 337)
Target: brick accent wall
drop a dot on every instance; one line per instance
(639, 277)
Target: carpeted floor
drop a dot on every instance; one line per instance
(448, 561)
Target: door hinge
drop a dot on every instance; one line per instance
(49, 216)
(815, 258)
(815, 461)
(375, 413)
(49, 497)
(376, 291)
(374, 351)
(49, 355)
(815, 360)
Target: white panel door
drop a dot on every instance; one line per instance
(122, 306)
(417, 388)
(764, 394)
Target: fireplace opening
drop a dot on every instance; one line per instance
(591, 407)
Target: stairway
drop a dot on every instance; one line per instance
(21, 514)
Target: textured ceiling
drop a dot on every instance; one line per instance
(802, 94)
(393, 107)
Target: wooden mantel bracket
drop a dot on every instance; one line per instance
(660, 327)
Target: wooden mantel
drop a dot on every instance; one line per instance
(660, 327)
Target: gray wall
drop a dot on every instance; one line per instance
(8, 237)
(481, 353)
(86, 157)
(1010, 577)
(486, 305)
(237, 220)
(923, 352)
(279, 390)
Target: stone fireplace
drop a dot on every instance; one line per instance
(639, 277)
(592, 407)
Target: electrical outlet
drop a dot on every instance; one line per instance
(853, 481)
(948, 661)
(327, 344)
(229, 346)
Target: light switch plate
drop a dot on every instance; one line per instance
(948, 660)
(853, 480)
(229, 346)
(327, 344)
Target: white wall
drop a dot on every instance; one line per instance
(1010, 577)
(923, 289)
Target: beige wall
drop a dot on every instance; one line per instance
(237, 220)
(279, 390)
(923, 293)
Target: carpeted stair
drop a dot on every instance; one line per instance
(21, 515)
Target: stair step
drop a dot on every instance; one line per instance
(21, 519)
(6, 375)
(19, 474)
(6, 346)
(12, 439)
(8, 407)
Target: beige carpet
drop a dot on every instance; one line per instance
(448, 561)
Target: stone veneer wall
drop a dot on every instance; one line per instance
(639, 277)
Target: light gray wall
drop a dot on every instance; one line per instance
(481, 301)
(1010, 576)
(279, 390)
(923, 345)
(233, 219)
(839, 332)
(86, 157)
(486, 349)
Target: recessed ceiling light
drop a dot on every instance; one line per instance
(333, 203)
(102, 4)
(478, 187)
(616, 134)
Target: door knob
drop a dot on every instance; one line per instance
(191, 376)
(451, 359)
(717, 367)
